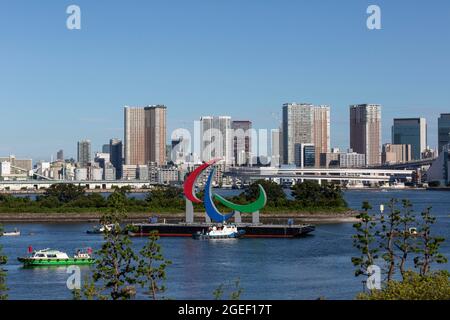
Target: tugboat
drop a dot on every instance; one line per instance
(219, 232)
(49, 257)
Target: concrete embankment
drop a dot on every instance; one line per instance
(279, 218)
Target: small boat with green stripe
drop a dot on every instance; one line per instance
(49, 257)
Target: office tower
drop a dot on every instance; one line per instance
(216, 138)
(443, 131)
(305, 155)
(60, 155)
(412, 131)
(145, 135)
(84, 153)
(106, 148)
(365, 131)
(241, 142)
(305, 123)
(396, 153)
(116, 157)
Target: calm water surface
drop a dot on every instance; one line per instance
(307, 268)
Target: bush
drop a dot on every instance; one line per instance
(435, 286)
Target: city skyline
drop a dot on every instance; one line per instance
(64, 86)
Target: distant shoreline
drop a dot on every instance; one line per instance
(299, 217)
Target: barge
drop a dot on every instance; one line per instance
(248, 230)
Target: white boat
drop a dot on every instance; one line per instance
(15, 233)
(101, 229)
(220, 232)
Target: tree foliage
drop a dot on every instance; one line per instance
(395, 237)
(3, 261)
(152, 266)
(312, 194)
(118, 268)
(434, 286)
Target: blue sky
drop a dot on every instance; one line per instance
(242, 58)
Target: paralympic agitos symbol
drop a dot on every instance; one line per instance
(211, 210)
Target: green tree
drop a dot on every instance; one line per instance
(235, 288)
(3, 261)
(165, 197)
(389, 223)
(310, 194)
(434, 286)
(152, 267)
(65, 192)
(364, 240)
(275, 193)
(396, 243)
(429, 246)
(115, 270)
(405, 242)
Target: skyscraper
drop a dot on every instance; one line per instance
(365, 131)
(305, 123)
(145, 135)
(277, 150)
(321, 131)
(156, 132)
(241, 142)
(84, 153)
(116, 150)
(443, 130)
(216, 138)
(411, 131)
(60, 155)
(106, 148)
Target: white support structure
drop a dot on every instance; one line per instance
(255, 217)
(189, 211)
(237, 217)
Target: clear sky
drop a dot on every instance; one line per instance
(242, 58)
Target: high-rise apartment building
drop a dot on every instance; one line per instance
(321, 131)
(84, 153)
(116, 156)
(365, 131)
(145, 135)
(241, 142)
(443, 131)
(216, 138)
(156, 131)
(305, 123)
(412, 131)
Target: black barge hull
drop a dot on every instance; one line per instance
(251, 231)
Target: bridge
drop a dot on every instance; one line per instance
(411, 165)
(342, 175)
